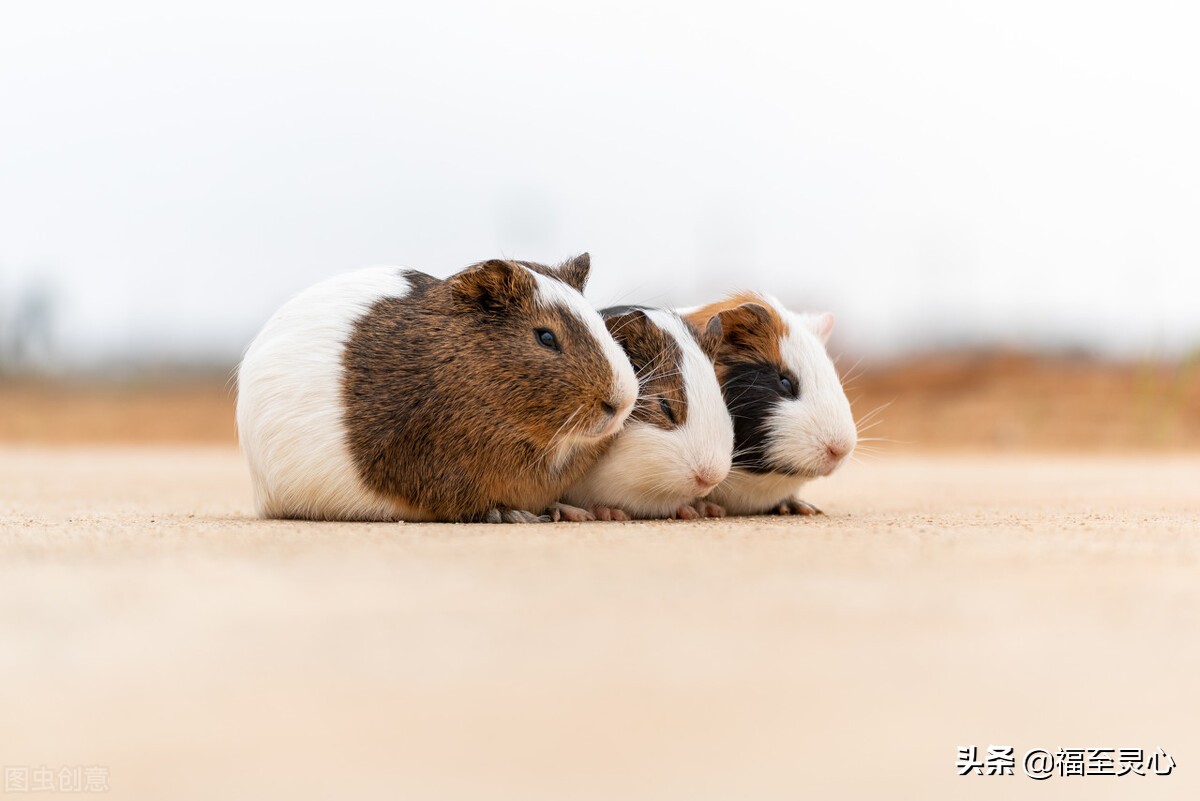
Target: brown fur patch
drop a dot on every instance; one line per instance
(698, 317)
(710, 337)
(657, 361)
(573, 272)
(454, 407)
(751, 330)
(751, 371)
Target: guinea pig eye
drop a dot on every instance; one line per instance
(546, 338)
(787, 385)
(667, 410)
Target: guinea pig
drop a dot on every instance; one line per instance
(791, 420)
(678, 443)
(388, 394)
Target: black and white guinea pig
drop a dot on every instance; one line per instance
(678, 443)
(791, 419)
(388, 394)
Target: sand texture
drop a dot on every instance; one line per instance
(150, 625)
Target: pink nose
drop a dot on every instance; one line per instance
(706, 478)
(835, 452)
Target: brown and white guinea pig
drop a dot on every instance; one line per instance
(678, 442)
(791, 420)
(388, 394)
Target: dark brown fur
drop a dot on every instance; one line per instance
(453, 406)
(656, 360)
(750, 331)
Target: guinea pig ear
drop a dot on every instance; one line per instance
(493, 285)
(745, 325)
(575, 271)
(711, 337)
(822, 326)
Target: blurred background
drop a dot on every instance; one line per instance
(1000, 208)
(1000, 203)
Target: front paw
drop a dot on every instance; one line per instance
(708, 509)
(686, 511)
(698, 509)
(795, 506)
(573, 514)
(610, 513)
(502, 514)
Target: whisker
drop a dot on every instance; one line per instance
(874, 412)
(881, 407)
(562, 432)
(869, 426)
(850, 374)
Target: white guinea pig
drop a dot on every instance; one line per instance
(388, 394)
(791, 419)
(678, 442)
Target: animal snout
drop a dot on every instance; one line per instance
(617, 408)
(706, 479)
(835, 452)
(615, 412)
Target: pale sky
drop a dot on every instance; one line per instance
(1018, 174)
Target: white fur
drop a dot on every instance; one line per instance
(746, 493)
(802, 428)
(552, 292)
(649, 471)
(290, 410)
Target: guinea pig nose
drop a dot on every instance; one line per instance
(835, 451)
(706, 477)
(608, 408)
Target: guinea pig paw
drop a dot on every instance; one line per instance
(708, 509)
(504, 515)
(687, 512)
(795, 506)
(609, 513)
(573, 514)
(522, 516)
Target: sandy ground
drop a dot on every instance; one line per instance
(150, 626)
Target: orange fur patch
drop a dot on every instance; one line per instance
(752, 327)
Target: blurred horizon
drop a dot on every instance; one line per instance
(939, 176)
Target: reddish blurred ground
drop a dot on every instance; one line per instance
(1021, 402)
(971, 401)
